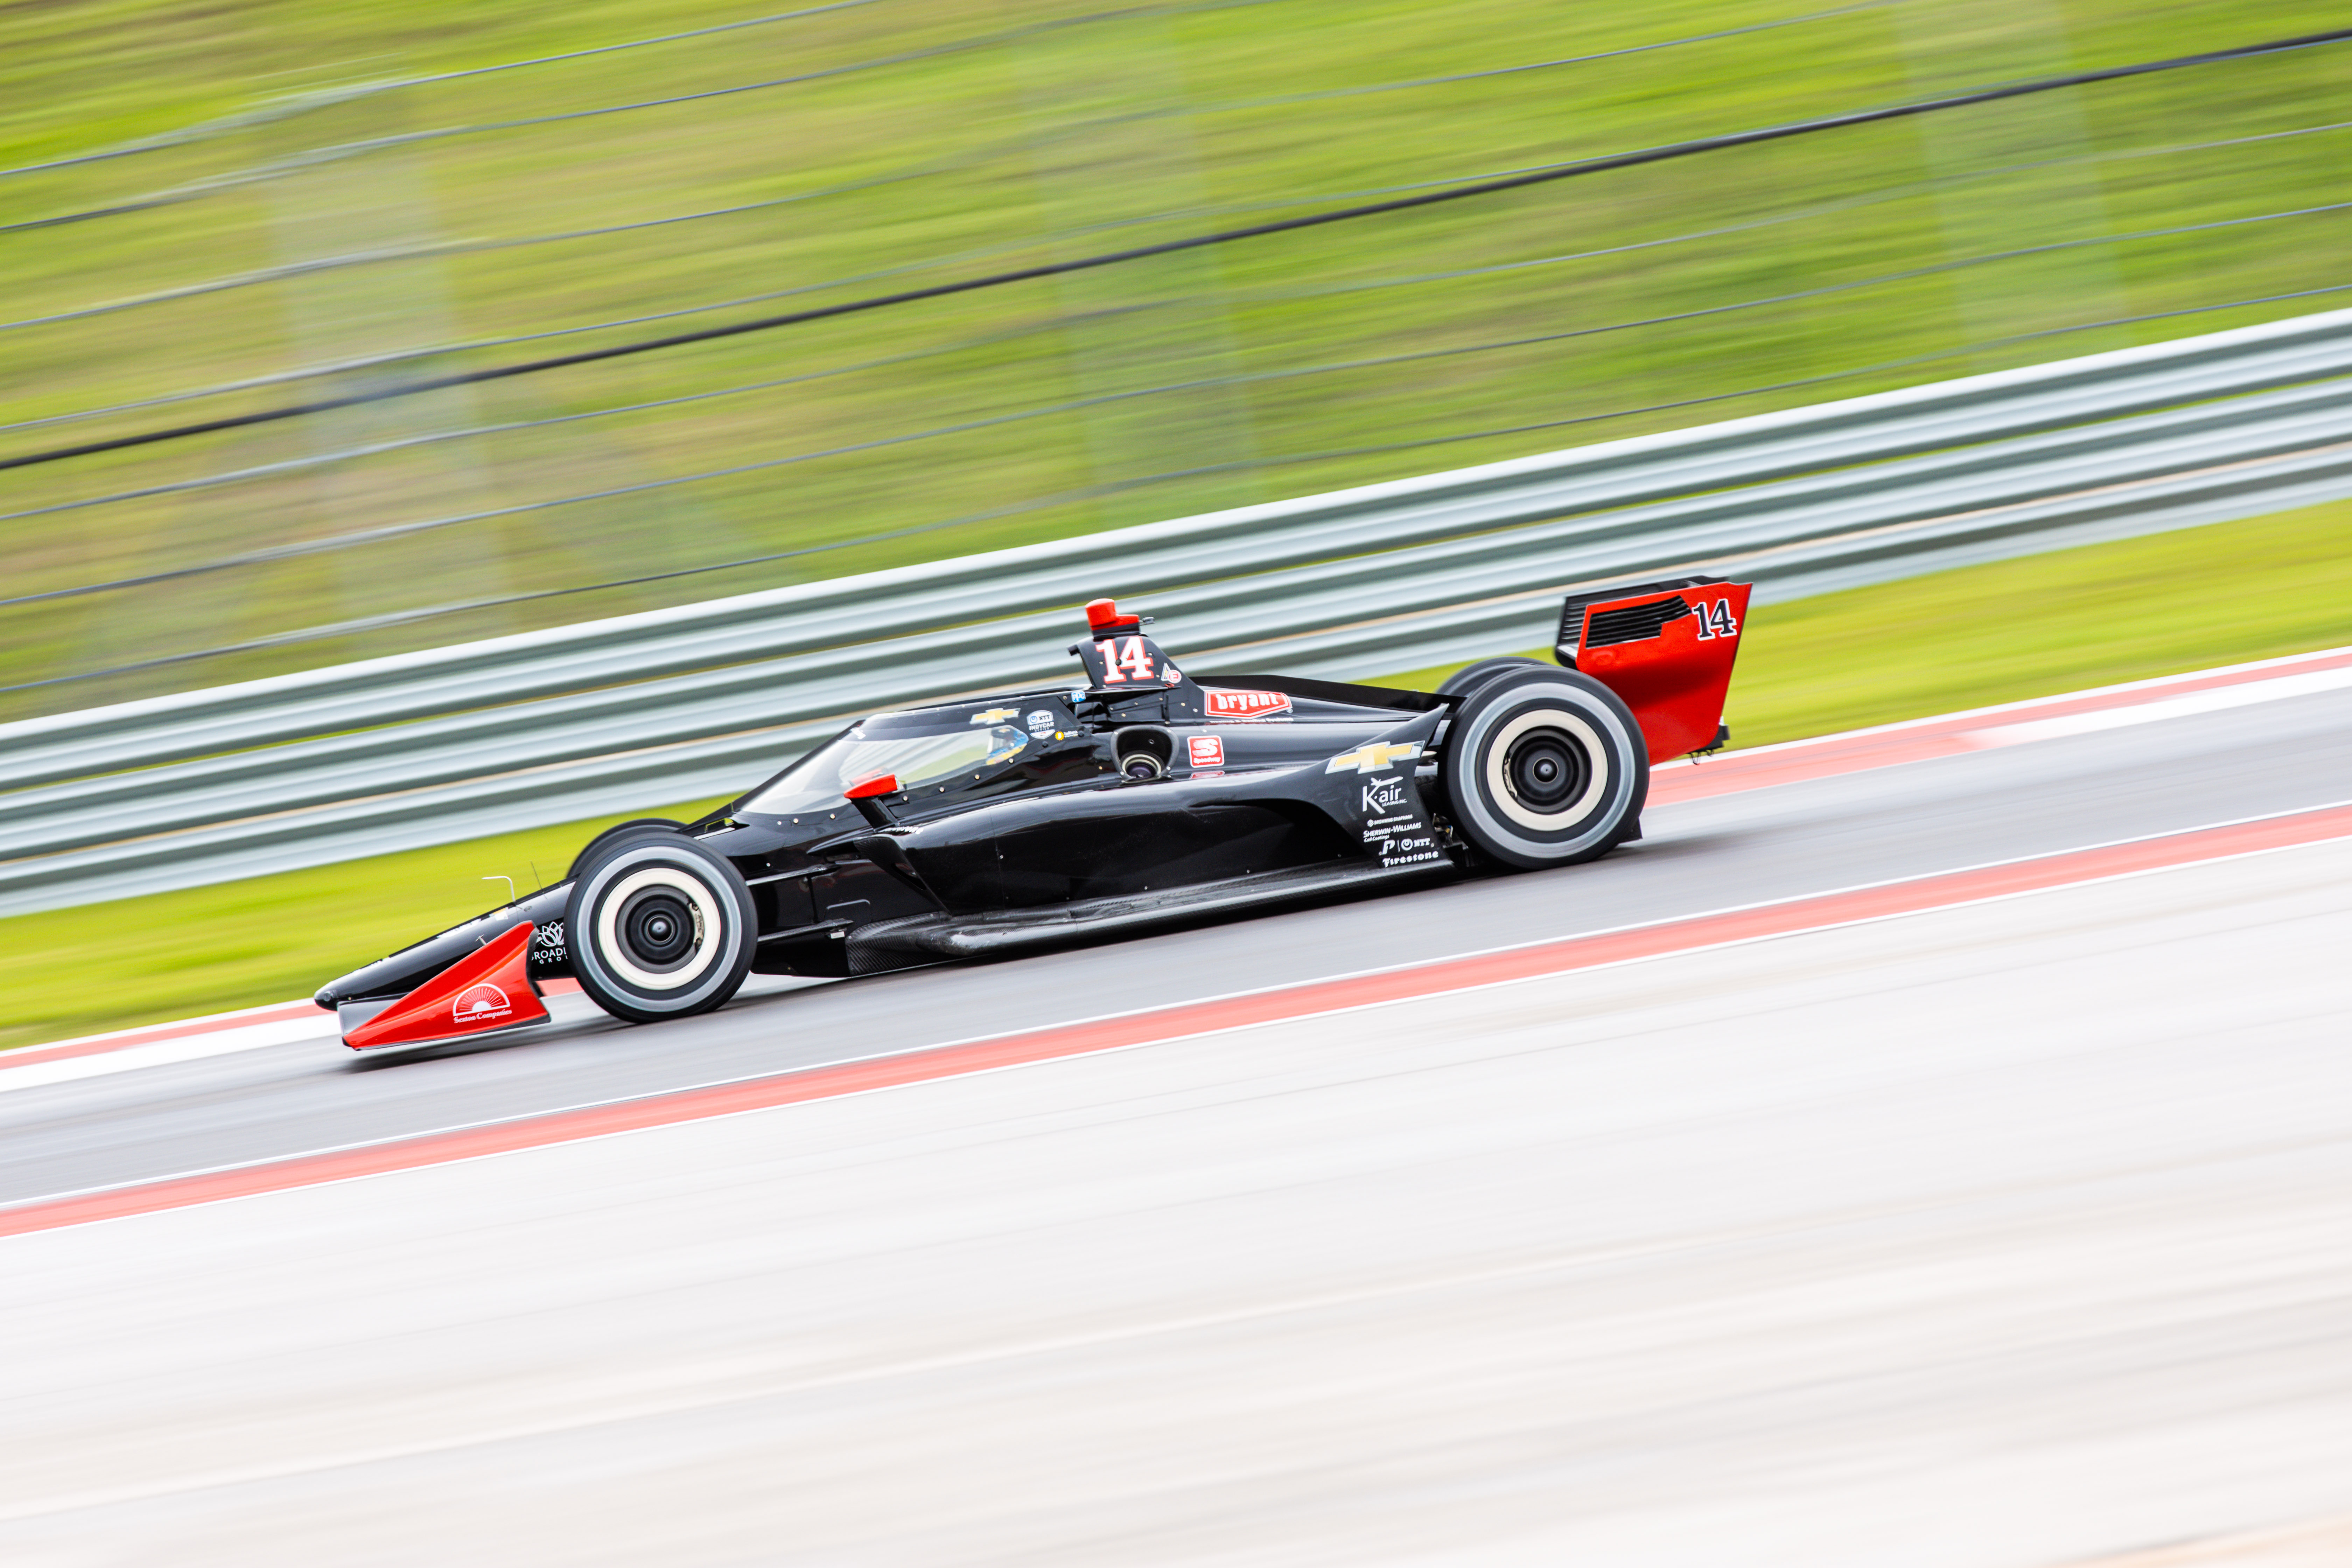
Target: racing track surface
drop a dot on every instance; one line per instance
(2009, 1233)
(1742, 849)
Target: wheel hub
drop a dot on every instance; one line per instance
(1546, 769)
(658, 929)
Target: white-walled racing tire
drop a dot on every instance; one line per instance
(635, 827)
(1476, 673)
(659, 927)
(1545, 767)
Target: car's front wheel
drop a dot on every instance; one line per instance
(659, 927)
(1545, 767)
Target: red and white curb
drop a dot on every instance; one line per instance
(1856, 750)
(1718, 928)
(248, 1028)
(190, 1039)
(2007, 724)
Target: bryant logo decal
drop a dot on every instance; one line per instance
(1244, 704)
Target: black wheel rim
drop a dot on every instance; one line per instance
(1547, 769)
(656, 928)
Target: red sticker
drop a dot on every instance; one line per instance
(1205, 751)
(1246, 704)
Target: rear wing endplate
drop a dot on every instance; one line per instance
(1666, 648)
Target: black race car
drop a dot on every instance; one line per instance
(1146, 795)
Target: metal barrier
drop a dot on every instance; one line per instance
(611, 715)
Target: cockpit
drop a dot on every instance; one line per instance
(925, 748)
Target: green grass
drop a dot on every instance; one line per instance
(2043, 623)
(1040, 161)
(1960, 639)
(240, 944)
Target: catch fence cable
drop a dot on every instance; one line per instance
(1896, 193)
(1223, 236)
(359, 536)
(277, 168)
(475, 345)
(303, 104)
(1090, 492)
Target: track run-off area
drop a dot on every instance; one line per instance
(1926, 1145)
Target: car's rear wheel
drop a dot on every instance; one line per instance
(659, 927)
(1545, 767)
(1474, 674)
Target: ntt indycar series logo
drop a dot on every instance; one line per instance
(480, 1005)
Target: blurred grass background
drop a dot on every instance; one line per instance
(343, 216)
(2230, 592)
(360, 187)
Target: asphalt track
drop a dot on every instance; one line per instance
(2013, 1232)
(1750, 847)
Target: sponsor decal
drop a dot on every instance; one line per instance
(1410, 851)
(1244, 704)
(1205, 751)
(1383, 794)
(1168, 672)
(547, 944)
(996, 715)
(480, 1005)
(1373, 757)
(1041, 722)
(1124, 659)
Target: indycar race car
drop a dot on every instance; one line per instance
(1144, 796)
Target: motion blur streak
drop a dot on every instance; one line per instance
(2010, 1234)
(896, 1068)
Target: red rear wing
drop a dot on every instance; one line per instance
(1666, 648)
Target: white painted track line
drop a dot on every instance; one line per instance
(2107, 707)
(1997, 1237)
(2275, 689)
(193, 1046)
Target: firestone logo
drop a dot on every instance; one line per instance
(483, 1004)
(1246, 704)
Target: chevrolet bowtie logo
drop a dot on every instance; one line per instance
(1371, 757)
(995, 716)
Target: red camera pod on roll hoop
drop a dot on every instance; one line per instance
(1119, 659)
(488, 991)
(1103, 619)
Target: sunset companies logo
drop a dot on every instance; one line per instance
(478, 1005)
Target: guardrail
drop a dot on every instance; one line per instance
(618, 714)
